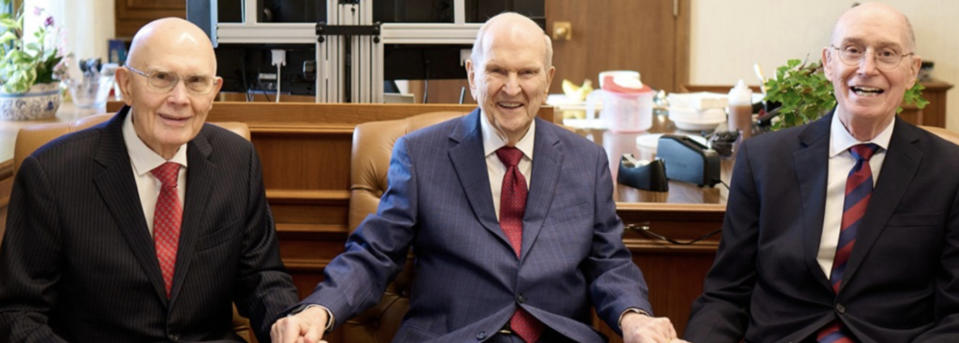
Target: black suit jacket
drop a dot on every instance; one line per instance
(78, 262)
(902, 280)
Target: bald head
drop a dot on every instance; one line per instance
(872, 13)
(168, 35)
(517, 27)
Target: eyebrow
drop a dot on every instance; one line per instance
(859, 41)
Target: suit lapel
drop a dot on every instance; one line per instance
(469, 162)
(119, 192)
(810, 160)
(898, 169)
(547, 157)
(200, 175)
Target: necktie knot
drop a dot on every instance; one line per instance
(509, 155)
(167, 173)
(863, 151)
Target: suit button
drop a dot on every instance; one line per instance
(841, 309)
(520, 298)
(481, 336)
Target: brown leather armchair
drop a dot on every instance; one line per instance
(370, 160)
(32, 137)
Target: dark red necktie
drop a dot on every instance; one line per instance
(858, 192)
(512, 205)
(166, 221)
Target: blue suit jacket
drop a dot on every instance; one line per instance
(468, 281)
(902, 280)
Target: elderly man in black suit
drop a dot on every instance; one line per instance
(149, 226)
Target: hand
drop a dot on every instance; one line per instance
(640, 328)
(304, 327)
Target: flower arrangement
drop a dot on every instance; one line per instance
(23, 62)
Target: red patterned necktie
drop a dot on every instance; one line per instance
(858, 192)
(166, 220)
(512, 205)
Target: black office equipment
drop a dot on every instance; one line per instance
(650, 176)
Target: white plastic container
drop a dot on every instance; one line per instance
(627, 103)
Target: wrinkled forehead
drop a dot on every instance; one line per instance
(181, 51)
(501, 46)
(874, 28)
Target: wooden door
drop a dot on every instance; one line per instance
(649, 36)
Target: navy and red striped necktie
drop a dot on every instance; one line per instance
(858, 191)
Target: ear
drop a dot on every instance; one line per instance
(914, 66)
(217, 84)
(826, 65)
(549, 77)
(125, 82)
(471, 77)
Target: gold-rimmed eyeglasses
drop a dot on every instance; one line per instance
(165, 81)
(886, 58)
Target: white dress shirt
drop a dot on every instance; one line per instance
(841, 162)
(496, 169)
(143, 160)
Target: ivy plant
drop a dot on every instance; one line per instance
(806, 94)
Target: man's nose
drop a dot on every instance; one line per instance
(512, 86)
(867, 65)
(179, 93)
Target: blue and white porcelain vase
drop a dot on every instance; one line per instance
(39, 102)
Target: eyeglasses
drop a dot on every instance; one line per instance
(165, 81)
(886, 58)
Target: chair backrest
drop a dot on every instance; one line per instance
(32, 137)
(943, 133)
(370, 160)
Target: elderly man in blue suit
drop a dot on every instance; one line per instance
(846, 229)
(511, 218)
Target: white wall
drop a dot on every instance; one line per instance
(728, 36)
(85, 24)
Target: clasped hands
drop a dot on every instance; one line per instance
(309, 325)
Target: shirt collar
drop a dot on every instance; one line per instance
(142, 157)
(492, 140)
(841, 140)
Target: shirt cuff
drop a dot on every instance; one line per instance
(329, 315)
(630, 310)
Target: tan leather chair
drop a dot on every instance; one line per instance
(370, 160)
(943, 133)
(32, 137)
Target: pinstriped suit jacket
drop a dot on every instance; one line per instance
(468, 281)
(78, 261)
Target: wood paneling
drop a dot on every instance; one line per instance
(132, 14)
(641, 35)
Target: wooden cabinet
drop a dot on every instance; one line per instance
(132, 14)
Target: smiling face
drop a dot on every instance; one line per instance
(509, 75)
(166, 119)
(867, 90)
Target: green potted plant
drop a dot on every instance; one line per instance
(30, 69)
(806, 95)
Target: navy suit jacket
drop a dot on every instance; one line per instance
(468, 281)
(901, 283)
(78, 262)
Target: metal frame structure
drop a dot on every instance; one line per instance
(351, 48)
